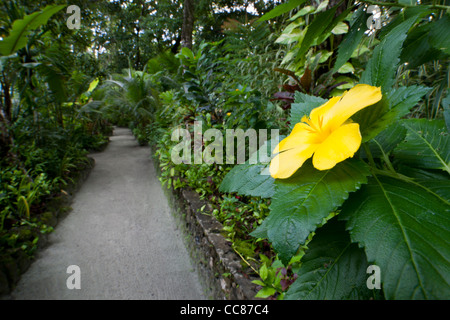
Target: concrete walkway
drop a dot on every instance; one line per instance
(121, 235)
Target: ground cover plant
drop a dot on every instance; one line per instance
(46, 125)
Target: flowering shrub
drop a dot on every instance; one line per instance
(375, 192)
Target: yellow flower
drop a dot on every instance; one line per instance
(328, 133)
(228, 113)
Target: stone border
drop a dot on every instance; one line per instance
(14, 264)
(220, 268)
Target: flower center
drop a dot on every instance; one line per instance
(316, 128)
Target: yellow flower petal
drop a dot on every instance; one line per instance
(317, 114)
(357, 98)
(340, 145)
(286, 163)
(300, 135)
(327, 133)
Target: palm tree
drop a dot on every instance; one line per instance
(132, 93)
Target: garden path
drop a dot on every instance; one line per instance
(121, 234)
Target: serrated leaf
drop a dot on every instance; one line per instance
(252, 178)
(394, 105)
(405, 230)
(301, 202)
(246, 179)
(426, 145)
(382, 66)
(260, 231)
(333, 268)
(386, 141)
(17, 38)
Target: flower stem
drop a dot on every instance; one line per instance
(369, 155)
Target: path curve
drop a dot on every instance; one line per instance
(120, 233)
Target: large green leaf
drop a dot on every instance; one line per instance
(246, 179)
(382, 66)
(333, 268)
(439, 38)
(301, 202)
(385, 141)
(252, 178)
(395, 104)
(418, 48)
(17, 38)
(352, 39)
(405, 230)
(281, 9)
(446, 106)
(427, 144)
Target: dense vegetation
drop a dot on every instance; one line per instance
(311, 235)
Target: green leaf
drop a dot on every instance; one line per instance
(446, 106)
(281, 9)
(246, 179)
(394, 105)
(418, 49)
(303, 11)
(346, 68)
(301, 202)
(187, 52)
(321, 23)
(419, 12)
(302, 106)
(252, 178)
(333, 268)
(382, 66)
(352, 39)
(261, 230)
(439, 38)
(407, 2)
(93, 85)
(17, 38)
(427, 144)
(386, 141)
(405, 230)
(265, 292)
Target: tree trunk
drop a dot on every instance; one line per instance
(6, 98)
(188, 24)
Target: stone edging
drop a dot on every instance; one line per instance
(219, 266)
